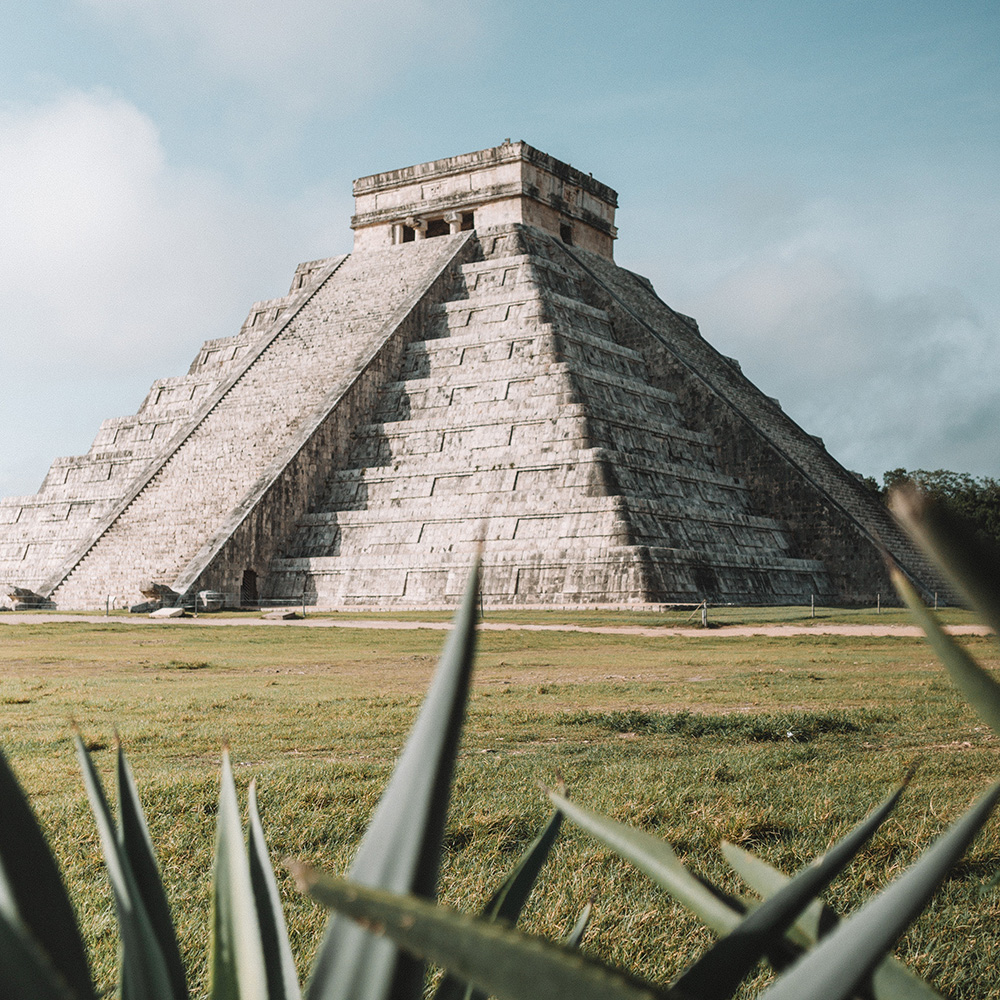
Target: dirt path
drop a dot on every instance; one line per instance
(720, 632)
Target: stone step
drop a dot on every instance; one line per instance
(449, 350)
(248, 427)
(507, 460)
(685, 530)
(564, 575)
(527, 380)
(570, 420)
(501, 508)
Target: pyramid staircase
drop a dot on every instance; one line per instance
(258, 429)
(520, 422)
(360, 438)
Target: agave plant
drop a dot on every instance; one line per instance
(42, 956)
(387, 923)
(817, 954)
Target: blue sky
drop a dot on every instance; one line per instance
(815, 183)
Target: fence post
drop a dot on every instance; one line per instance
(704, 613)
(812, 605)
(878, 604)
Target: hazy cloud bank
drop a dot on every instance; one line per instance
(307, 51)
(115, 266)
(847, 322)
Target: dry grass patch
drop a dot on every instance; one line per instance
(684, 737)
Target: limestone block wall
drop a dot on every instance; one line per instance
(508, 184)
(520, 421)
(39, 532)
(788, 473)
(371, 347)
(359, 438)
(178, 520)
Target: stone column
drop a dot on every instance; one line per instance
(419, 226)
(454, 220)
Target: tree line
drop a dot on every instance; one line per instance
(975, 498)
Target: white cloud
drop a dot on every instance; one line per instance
(871, 313)
(114, 266)
(309, 51)
(888, 380)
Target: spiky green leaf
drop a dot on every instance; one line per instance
(133, 835)
(282, 980)
(401, 848)
(32, 894)
(842, 961)
(236, 962)
(497, 959)
(718, 973)
(891, 980)
(144, 974)
(575, 936)
(508, 901)
(970, 561)
(977, 684)
(25, 970)
(657, 859)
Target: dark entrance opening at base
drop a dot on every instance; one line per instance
(248, 589)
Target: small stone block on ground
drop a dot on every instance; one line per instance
(168, 613)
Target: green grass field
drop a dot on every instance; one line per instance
(779, 745)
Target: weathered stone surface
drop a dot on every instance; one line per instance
(509, 184)
(358, 439)
(158, 592)
(168, 613)
(24, 597)
(210, 600)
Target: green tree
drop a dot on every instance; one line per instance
(975, 498)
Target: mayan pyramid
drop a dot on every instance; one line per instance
(478, 368)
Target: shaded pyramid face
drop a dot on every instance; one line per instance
(359, 438)
(518, 419)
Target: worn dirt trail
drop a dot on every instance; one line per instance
(664, 631)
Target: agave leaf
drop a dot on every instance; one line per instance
(32, 894)
(718, 973)
(135, 841)
(25, 970)
(499, 960)
(144, 974)
(765, 880)
(575, 936)
(891, 980)
(236, 962)
(657, 859)
(401, 848)
(977, 684)
(282, 980)
(971, 562)
(508, 901)
(842, 961)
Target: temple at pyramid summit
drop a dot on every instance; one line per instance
(477, 369)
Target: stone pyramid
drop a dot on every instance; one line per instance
(478, 370)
